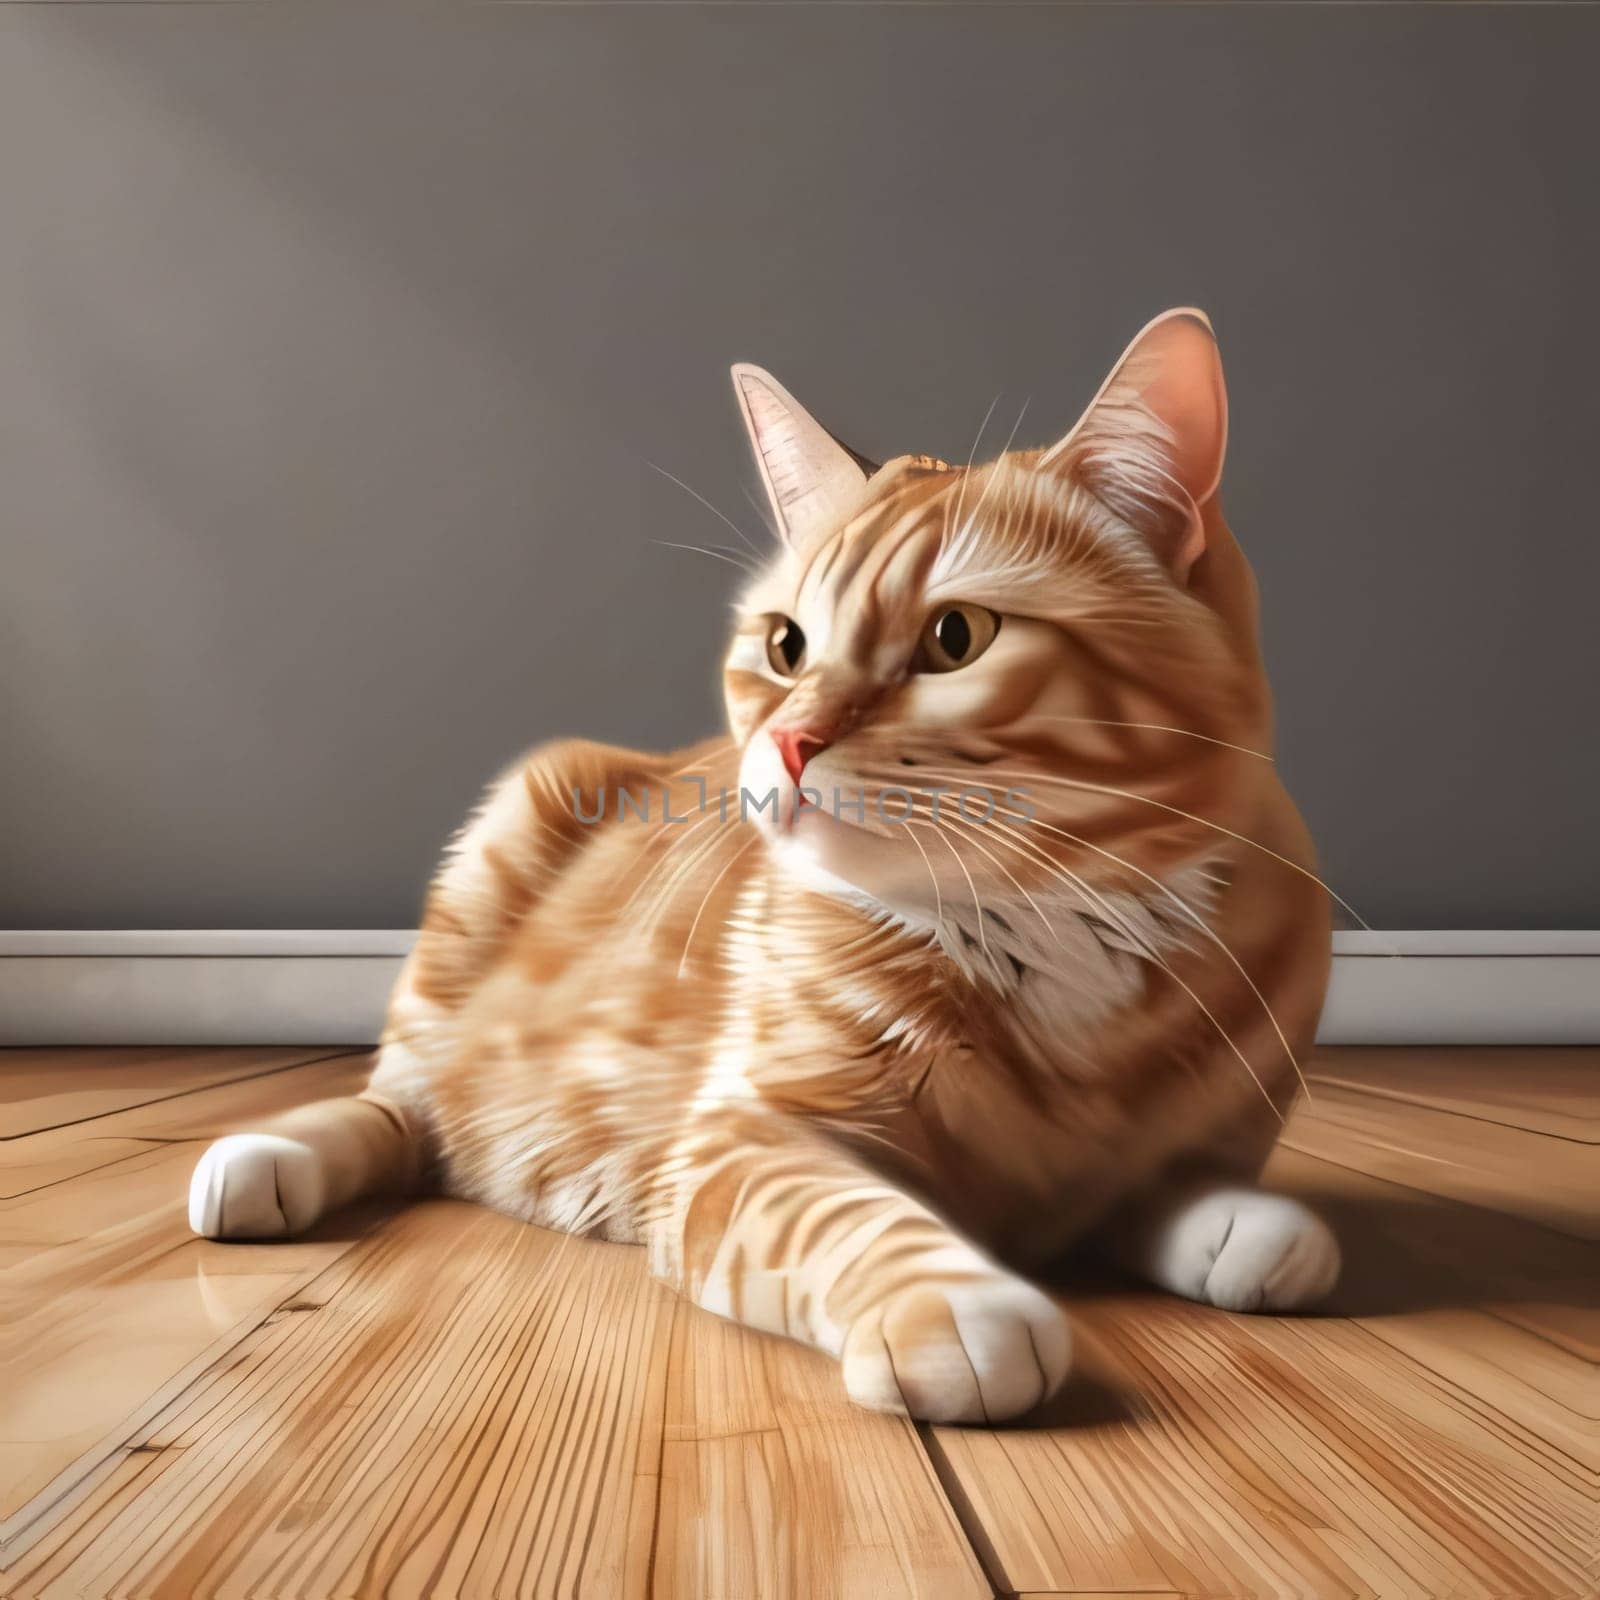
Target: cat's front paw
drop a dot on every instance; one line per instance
(1245, 1250)
(255, 1186)
(981, 1351)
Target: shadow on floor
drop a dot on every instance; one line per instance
(1404, 1255)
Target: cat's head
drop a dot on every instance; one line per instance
(1066, 634)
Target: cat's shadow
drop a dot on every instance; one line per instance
(1087, 1400)
(1405, 1254)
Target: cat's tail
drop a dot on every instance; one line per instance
(279, 1179)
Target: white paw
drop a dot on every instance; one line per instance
(255, 1186)
(966, 1352)
(1245, 1250)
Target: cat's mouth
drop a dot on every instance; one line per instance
(850, 858)
(825, 831)
(830, 855)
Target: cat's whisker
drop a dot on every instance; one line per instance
(1255, 844)
(695, 858)
(961, 491)
(674, 845)
(1158, 961)
(1156, 727)
(1194, 917)
(993, 476)
(721, 516)
(763, 514)
(1102, 907)
(933, 878)
(977, 904)
(719, 748)
(1091, 897)
(1142, 947)
(668, 876)
(671, 836)
(720, 553)
(688, 822)
(969, 833)
(683, 960)
(1024, 777)
(1155, 959)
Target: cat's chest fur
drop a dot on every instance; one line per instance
(1027, 990)
(987, 1062)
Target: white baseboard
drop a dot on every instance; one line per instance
(304, 986)
(1515, 987)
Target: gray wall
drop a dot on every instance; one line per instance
(334, 347)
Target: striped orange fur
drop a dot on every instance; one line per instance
(852, 1075)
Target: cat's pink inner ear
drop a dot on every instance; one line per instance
(1158, 476)
(811, 479)
(1184, 388)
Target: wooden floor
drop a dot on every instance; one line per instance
(437, 1401)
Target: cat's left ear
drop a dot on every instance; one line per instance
(1152, 441)
(811, 479)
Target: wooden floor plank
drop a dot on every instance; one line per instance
(454, 1404)
(471, 1407)
(1449, 1449)
(75, 1380)
(39, 1160)
(1546, 1090)
(52, 1088)
(1437, 1439)
(36, 1160)
(1505, 1471)
(774, 1485)
(108, 1299)
(1211, 1454)
(1547, 1395)
(1408, 1252)
(1463, 1157)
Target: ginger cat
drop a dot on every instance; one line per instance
(991, 929)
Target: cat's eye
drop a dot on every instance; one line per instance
(786, 645)
(955, 636)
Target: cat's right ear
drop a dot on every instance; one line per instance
(1152, 441)
(812, 480)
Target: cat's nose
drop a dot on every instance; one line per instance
(797, 746)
